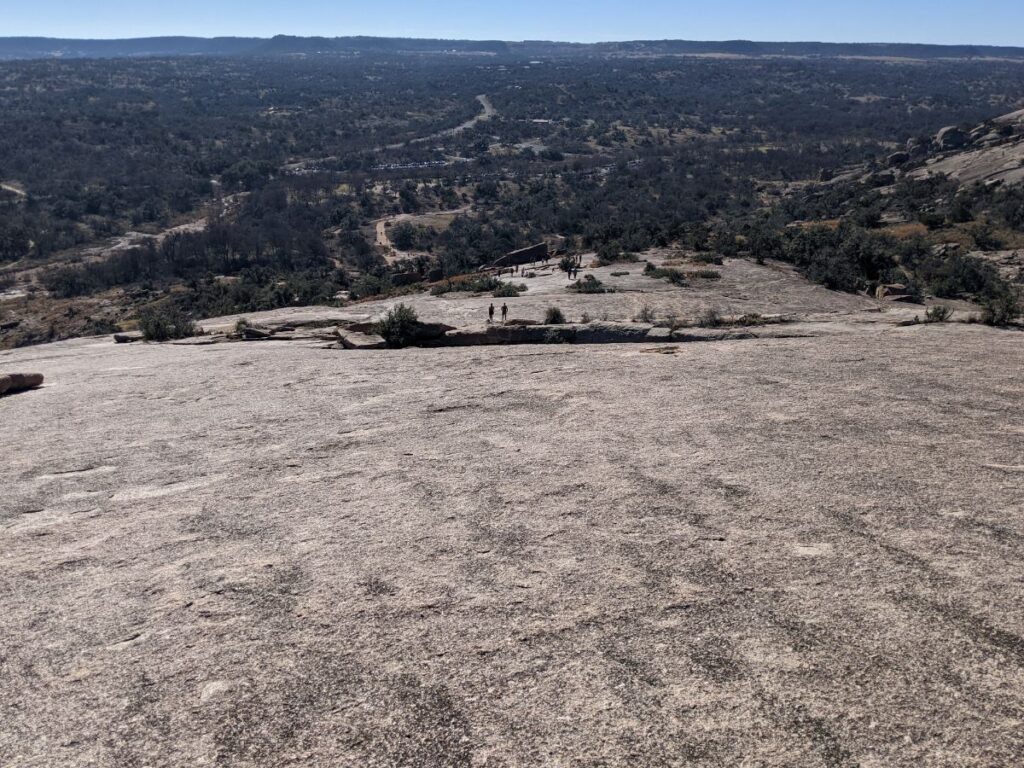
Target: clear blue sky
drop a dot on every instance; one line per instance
(997, 22)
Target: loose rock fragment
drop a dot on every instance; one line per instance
(11, 383)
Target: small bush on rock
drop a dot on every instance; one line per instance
(398, 328)
(589, 284)
(707, 258)
(554, 316)
(1002, 308)
(671, 274)
(165, 323)
(508, 290)
(937, 314)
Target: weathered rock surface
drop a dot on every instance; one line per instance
(355, 340)
(784, 552)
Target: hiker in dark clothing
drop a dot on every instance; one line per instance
(490, 314)
(504, 312)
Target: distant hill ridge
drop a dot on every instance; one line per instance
(13, 48)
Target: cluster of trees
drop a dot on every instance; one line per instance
(293, 159)
(270, 254)
(102, 146)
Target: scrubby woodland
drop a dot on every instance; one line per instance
(229, 185)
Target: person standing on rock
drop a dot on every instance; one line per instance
(504, 312)
(490, 313)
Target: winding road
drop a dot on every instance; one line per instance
(489, 111)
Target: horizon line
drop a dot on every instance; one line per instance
(501, 40)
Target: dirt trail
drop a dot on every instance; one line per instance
(100, 250)
(489, 111)
(11, 188)
(381, 227)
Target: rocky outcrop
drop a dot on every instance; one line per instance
(896, 292)
(350, 339)
(950, 138)
(252, 333)
(428, 332)
(12, 383)
(529, 255)
(583, 333)
(897, 159)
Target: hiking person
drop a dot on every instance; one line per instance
(490, 313)
(504, 312)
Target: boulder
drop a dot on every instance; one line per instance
(897, 159)
(890, 289)
(128, 337)
(895, 292)
(11, 383)
(251, 333)
(916, 149)
(951, 137)
(355, 340)
(881, 179)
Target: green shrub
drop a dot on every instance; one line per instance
(164, 323)
(937, 314)
(101, 326)
(706, 258)
(671, 274)
(508, 290)
(481, 284)
(398, 328)
(1002, 308)
(610, 253)
(554, 316)
(707, 274)
(369, 285)
(589, 284)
